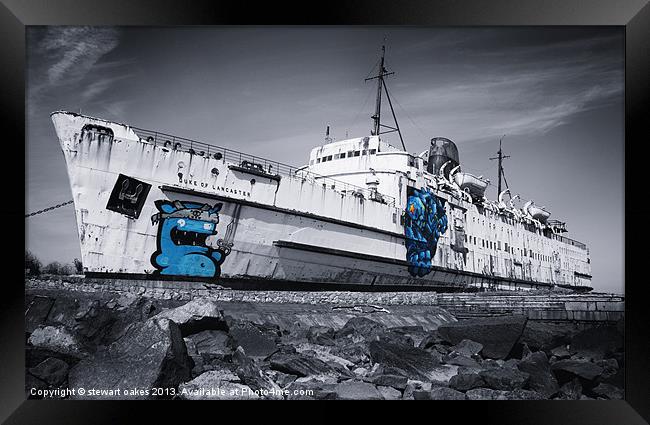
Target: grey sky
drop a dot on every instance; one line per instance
(556, 92)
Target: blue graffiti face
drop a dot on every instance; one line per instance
(425, 221)
(183, 230)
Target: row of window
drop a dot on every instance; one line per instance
(497, 247)
(343, 155)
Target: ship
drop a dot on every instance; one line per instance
(362, 214)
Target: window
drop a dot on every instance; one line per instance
(364, 152)
(329, 158)
(350, 154)
(317, 160)
(342, 155)
(373, 151)
(336, 156)
(356, 153)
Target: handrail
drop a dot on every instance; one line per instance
(271, 167)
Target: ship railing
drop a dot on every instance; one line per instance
(260, 165)
(570, 241)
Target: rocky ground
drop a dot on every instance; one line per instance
(133, 347)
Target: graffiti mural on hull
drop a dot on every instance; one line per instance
(186, 233)
(425, 220)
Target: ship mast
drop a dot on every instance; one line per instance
(376, 118)
(500, 156)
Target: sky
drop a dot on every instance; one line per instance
(556, 93)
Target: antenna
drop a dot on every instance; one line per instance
(381, 83)
(328, 139)
(500, 156)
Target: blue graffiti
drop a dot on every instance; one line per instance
(425, 220)
(183, 230)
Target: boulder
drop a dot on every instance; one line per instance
(597, 342)
(258, 342)
(498, 335)
(562, 352)
(324, 353)
(311, 390)
(150, 354)
(357, 390)
(608, 391)
(211, 344)
(51, 370)
(566, 370)
(195, 316)
(357, 353)
(57, 339)
(37, 311)
(33, 384)
(544, 336)
(414, 386)
(322, 335)
(467, 348)
(211, 385)
(361, 327)
(439, 393)
(389, 393)
(461, 360)
(541, 378)
(521, 394)
(572, 390)
(486, 394)
(416, 333)
(252, 376)
(430, 339)
(466, 381)
(504, 379)
(417, 363)
(280, 378)
(387, 380)
(299, 364)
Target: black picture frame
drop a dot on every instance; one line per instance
(634, 15)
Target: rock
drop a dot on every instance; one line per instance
(151, 354)
(504, 379)
(51, 370)
(395, 381)
(597, 342)
(541, 379)
(324, 353)
(416, 333)
(311, 390)
(608, 391)
(252, 376)
(520, 394)
(396, 338)
(498, 335)
(417, 363)
(413, 386)
(322, 335)
(357, 353)
(57, 339)
(466, 381)
(467, 348)
(195, 316)
(431, 339)
(33, 384)
(544, 336)
(212, 386)
(257, 343)
(562, 352)
(439, 393)
(357, 390)
(211, 344)
(299, 364)
(282, 379)
(37, 312)
(565, 370)
(485, 394)
(617, 379)
(572, 390)
(461, 360)
(389, 393)
(361, 327)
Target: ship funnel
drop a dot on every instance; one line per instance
(441, 151)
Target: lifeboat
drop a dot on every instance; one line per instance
(474, 185)
(538, 213)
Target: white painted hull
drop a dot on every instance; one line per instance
(289, 230)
